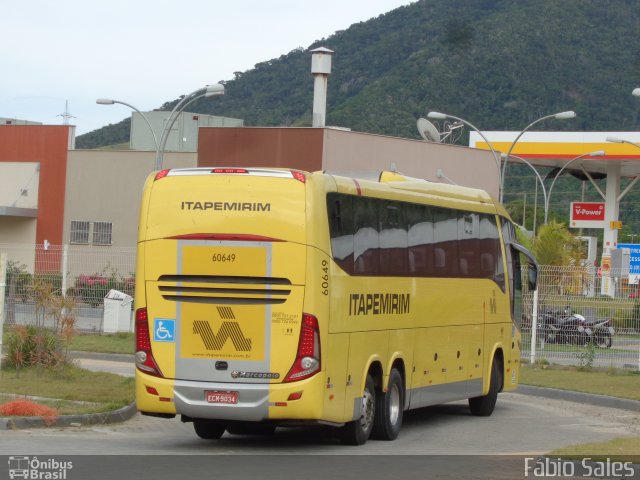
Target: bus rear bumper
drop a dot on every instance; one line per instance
(252, 402)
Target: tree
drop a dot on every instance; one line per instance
(555, 245)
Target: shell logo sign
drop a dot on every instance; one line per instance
(587, 215)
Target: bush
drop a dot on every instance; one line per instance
(28, 346)
(92, 289)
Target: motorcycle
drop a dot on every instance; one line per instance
(601, 332)
(564, 326)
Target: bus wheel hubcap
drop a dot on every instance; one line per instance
(368, 405)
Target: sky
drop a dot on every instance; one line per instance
(147, 52)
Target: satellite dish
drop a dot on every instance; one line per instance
(428, 130)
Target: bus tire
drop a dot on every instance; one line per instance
(208, 429)
(390, 408)
(359, 431)
(483, 405)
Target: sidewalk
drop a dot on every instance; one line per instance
(120, 364)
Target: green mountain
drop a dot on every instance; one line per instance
(497, 63)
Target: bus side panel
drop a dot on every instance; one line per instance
(512, 360)
(401, 348)
(335, 352)
(361, 346)
(427, 369)
(496, 338)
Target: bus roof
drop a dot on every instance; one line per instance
(352, 182)
(400, 185)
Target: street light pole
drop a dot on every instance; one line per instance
(544, 190)
(208, 91)
(558, 116)
(108, 101)
(597, 153)
(444, 116)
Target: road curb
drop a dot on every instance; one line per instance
(580, 397)
(104, 418)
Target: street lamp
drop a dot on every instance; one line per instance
(597, 153)
(444, 116)
(558, 116)
(108, 101)
(208, 91)
(544, 190)
(622, 140)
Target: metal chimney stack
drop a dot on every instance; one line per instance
(321, 69)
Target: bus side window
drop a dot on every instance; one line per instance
(393, 239)
(446, 242)
(516, 287)
(340, 210)
(366, 237)
(490, 252)
(469, 244)
(420, 241)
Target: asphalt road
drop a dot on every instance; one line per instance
(520, 425)
(445, 441)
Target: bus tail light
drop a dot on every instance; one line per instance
(144, 358)
(307, 362)
(162, 174)
(298, 175)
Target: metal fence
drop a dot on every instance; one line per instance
(577, 317)
(605, 331)
(37, 277)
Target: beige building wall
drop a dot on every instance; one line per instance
(19, 182)
(346, 151)
(18, 238)
(106, 186)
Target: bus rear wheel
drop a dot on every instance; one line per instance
(208, 429)
(359, 431)
(483, 405)
(390, 408)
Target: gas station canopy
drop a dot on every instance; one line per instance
(555, 149)
(617, 156)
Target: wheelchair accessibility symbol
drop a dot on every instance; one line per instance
(164, 330)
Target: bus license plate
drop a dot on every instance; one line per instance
(228, 398)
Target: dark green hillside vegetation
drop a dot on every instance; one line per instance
(497, 63)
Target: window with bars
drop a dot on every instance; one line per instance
(79, 233)
(100, 233)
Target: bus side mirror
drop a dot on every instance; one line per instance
(533, 276)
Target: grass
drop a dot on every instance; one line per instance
(623, 449)
(104, 343)
(621, 383)
(96, 391)
(99, 343)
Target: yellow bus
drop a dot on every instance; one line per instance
(276, 297)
